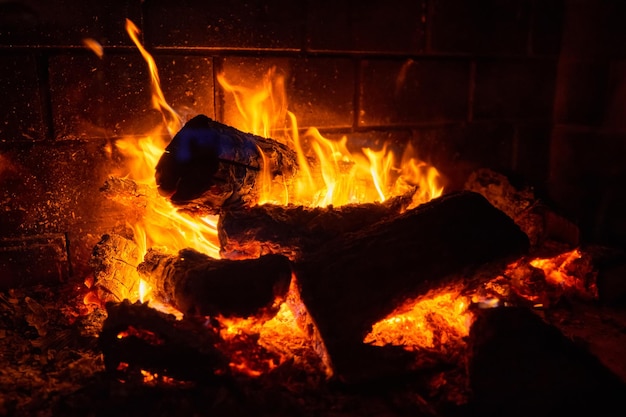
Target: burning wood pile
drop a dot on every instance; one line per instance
(295, 277)
(357, 293)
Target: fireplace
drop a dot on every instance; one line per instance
(529, 89)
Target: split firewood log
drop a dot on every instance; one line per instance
(114, 260)
(357, 279)
(209, 166)
(294, 230)
(197, 284)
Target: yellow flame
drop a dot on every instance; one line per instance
(172, 121)
(161, 224)
(328, 171)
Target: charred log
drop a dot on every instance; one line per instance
(197, 284)
(209, 166)
(357, 279)
(294, 230)
(519, 366)
(136, 336)
(534, 217)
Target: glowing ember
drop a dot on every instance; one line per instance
(569, 271)
(439, 320)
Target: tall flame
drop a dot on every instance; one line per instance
(162, 225)
(172, 121)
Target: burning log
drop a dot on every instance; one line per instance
(537, 220)
(210, 167)
(355, 280)
(197, 284)
(114, 261)
(138, 337)
(294, 230)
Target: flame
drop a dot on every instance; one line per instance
(170, 117)
(438, 320)
(94, 46)
(329, 171)
(162, 225)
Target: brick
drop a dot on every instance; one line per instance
(105, 98)
(515, 89)
(457, 150)
(66, 22)
(54, 188)
(413, 92)
(616, 30)
(532, 154)
(21, 105)
(547, 26)
(581, 93)
(30, 260)
(593, 196)
(367, 26)
(492, 27)
(187, 83)
(273, 24)
(320, 91)
(614, 117)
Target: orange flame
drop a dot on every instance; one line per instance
(94, 46)
(329, 172)
(162, 225)
(170, 117)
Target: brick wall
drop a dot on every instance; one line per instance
(588, 147)
(471, 83)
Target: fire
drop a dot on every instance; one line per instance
(438, 321)
(162, 225)
(330, 173)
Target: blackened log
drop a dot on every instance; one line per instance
(209, 166)
(357, 279)
(532, 215)
(135, 337)
(521, 366)
(294, 230)
(197, 284)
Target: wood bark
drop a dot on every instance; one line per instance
(295, 230)
(357, 279)
(209, 167)
(197, 284)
